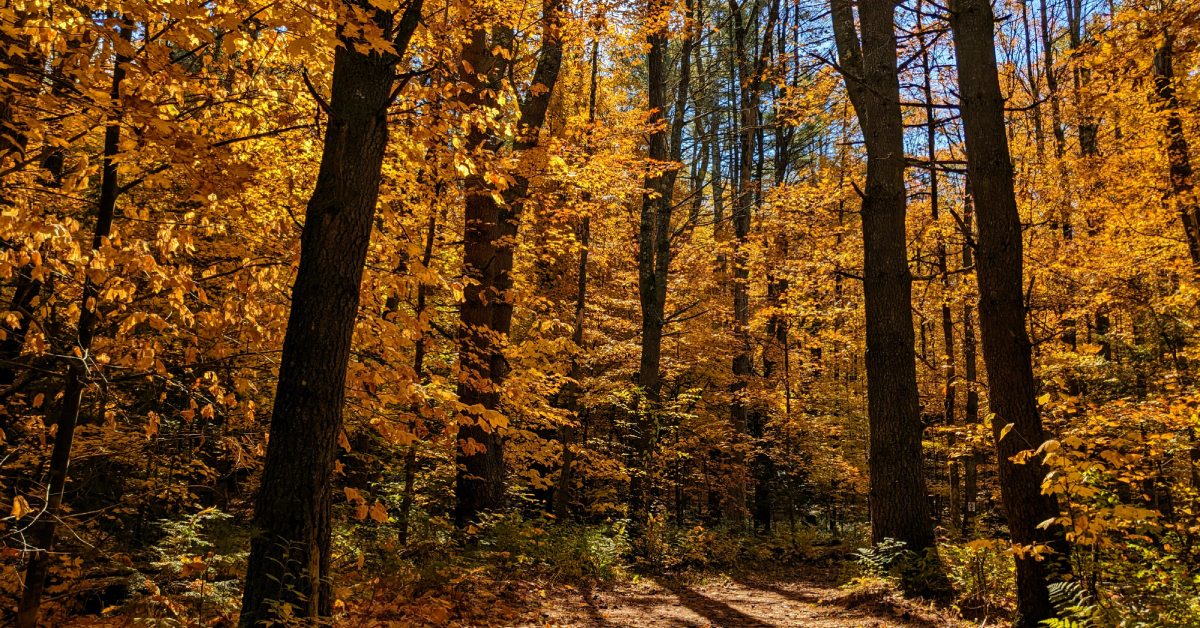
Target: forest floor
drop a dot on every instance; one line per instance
(756, 601)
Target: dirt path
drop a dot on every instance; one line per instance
(748, 603)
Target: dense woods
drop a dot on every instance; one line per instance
(416, 312)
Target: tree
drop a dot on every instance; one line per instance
(290, 553)
(654, 235)
(77, 376)
(746, 195)
(1017, 425)
(492, 220)
(898, 504)
(1182, 188)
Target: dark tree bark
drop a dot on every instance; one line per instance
(1017, 424)
(1035, 87)
(492, 219)
(745, 419)
(1056, 125)
(562, 493)
(654, 243)
(23, 302)
(931, 124)
(970, 374)
(1062, 218)
(1088, 127)
(419, 351)
(898, 503)
(78, 369)
(1182, 187)
(289, 554)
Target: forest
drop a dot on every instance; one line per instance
(599, 313)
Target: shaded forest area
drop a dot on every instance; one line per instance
(436, 312)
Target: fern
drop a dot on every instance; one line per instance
(884, 558)
(1073, 606)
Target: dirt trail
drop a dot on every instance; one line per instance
(748, 603)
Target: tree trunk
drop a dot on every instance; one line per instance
(1056, 126)
(1017, 424)
(289, 555)
(749, 73)
(654, 245)
(492, 219)
(1182, 188)
(1088, 127)
(562, 492)
(78, 369)
(898, 503)
(1035, 88)
(419, 351)
(970, 372)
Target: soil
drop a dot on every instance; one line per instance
(752, 602)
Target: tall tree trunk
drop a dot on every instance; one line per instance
(749, 71)
(1035, 87)
(289, 555)
(947, 360)
(1088, 128)
(654, 242)
(898, 503)
(78, 369)
(931, 124)
(29, 285)
(419, 351)
(492, 219)
(970, 374)
(1017, 424)
(1062, 214)
(1056, 125)
(1181, 192)
(562, 493)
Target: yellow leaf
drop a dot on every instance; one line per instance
(379, 513)
(20, 507)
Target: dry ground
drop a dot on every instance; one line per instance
(740, 602)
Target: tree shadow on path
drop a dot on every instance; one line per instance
(868, 605)
(715, 611)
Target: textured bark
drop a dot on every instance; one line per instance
(1182, 187)
(654, 244)
(898, 503)
(489, 241)
(289, 554)
(1017, 424)
(77, 372)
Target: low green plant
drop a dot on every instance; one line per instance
(885, 559)
(1073, 605)
(981, 572)
(197, 562)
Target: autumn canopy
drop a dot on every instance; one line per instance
(450, 312)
